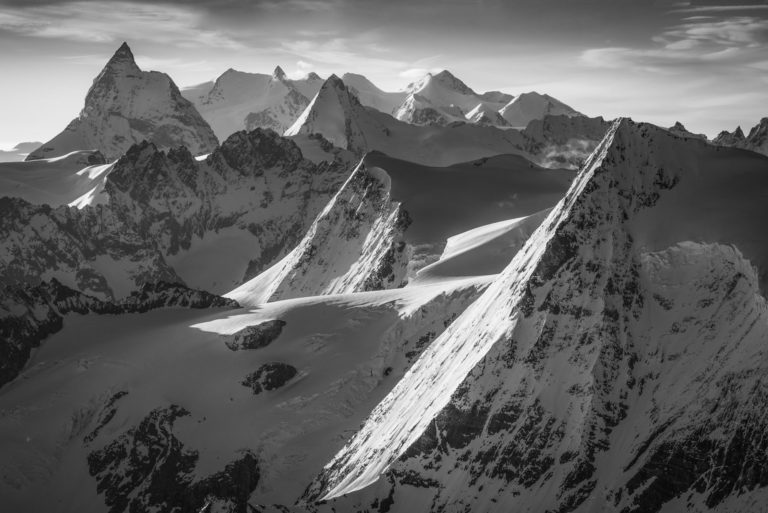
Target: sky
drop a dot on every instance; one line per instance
(701, 62)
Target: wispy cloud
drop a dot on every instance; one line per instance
(102, 22)
(699, 41)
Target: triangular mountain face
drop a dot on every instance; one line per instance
(611, 363)
(239, 100)
(126, 105)
(442, 98)
(756, 141)
(529, 106)
(392, 217)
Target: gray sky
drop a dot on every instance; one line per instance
(703, 63)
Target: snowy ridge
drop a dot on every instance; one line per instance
(528, 399)
(355, 244)
(76, 179)
(530, 106)
(126, 105)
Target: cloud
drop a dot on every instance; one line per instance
(699, 41)
(103, 22)
(721, 8)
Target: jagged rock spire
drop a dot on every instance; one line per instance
(278, 74)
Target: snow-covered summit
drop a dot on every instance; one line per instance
(126, 105)
(238, 100)
(442, 98)
(529, 106)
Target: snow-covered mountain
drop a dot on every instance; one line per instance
(126, 105)
(611, 354)
(756, 141)
(238, 100)
(371, 96)
(530, 106)
(442, 98)
(338, 115)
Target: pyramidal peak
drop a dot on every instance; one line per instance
(278, 74)
(122, 60)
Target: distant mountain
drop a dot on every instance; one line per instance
(756, 141)
(371, 96)
(679, 129)
(338, 115)
(126, 105)
(18, 152)
(239, 100)
(529, 106)
(442, 98)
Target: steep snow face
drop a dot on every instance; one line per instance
(593, 374)
(239, 100)
(338, 116)
(442, 98)
(483, 250)
(76, 179)
(564, 141)
(126, 105)
(756, 141)
(484, 115)
(355, 244)
(371, 96)
(529, 106)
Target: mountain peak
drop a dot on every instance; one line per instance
(448, 79)
(278, 74)
(313, 76)
(122, 58)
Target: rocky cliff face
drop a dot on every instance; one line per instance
(756, 141)
(592, 376)
(126, 105)
(256, 185)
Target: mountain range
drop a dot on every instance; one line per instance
(261, 294)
